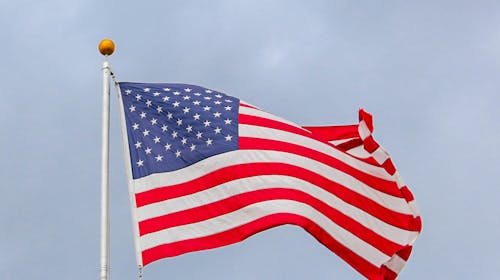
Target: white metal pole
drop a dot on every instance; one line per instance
(104, 271)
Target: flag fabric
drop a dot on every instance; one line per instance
(208, 170)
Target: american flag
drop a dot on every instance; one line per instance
(208, 170)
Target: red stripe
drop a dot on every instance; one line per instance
(405, 253)
(387, 273)
(260, 121)
(334, 132)
(236, 202)
(381, 184)
(351, 144)
(407, 194)
(369, 160)
(389, 167)
(256, 169)
(248, 106)
(370, 144)
(242, 232)
(367, 117)
(385, 186)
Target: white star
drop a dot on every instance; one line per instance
(218, 95)
(148, 150)
(166, 89)
(196, 102)
(176, 104)
(128, 91)
(159, 158)
(229, 137)
(208, 91)
(206, 123)
(199, 135)
(186, 110)
(227, 121)
(179, 122)
(228, 100)
(154, 121)
(197, 94)
(156, 139)
(177, 153)
(216, 114)
(189, 128)
(138, 145)
(217, 130)
(166, 98)
(145, 132)
(184, 141)
(143, 115)
(132, 108)
(156, 93)
(140, 163)
(135, 126)
(167, 147)
(193, 146)
(228, 108)
(177, 93)
(169, 115)
(186, 97)
(187, 90)
(196, 116)
(206, 108)
(147, 89)
(164, 128)
(174, 134)
(217, 102)
(159, 109)
(209, 142)
(207, 97)
(138, 97)
(148, 103)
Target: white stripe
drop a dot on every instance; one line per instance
(280, 135)
(380, 155)
(248, 104)
(414, 208)
(396, 264)
(259, 210)
(266, 115)
(363, 130)
(241, 186)
(412, 204)
(399, 180)
(128, 169)
(250, 156)
(359, 151)
(340, 141)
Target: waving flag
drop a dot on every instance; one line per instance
(208, 170)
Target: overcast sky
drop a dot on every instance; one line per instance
(428, 71)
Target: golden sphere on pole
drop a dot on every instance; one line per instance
(106, 47)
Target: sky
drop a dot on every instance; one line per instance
(427, 70)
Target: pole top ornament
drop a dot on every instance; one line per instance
(106, 47)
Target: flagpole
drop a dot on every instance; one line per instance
(106, 48)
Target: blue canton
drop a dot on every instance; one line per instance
(171, 126)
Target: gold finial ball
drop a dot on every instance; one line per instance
(106, 47)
